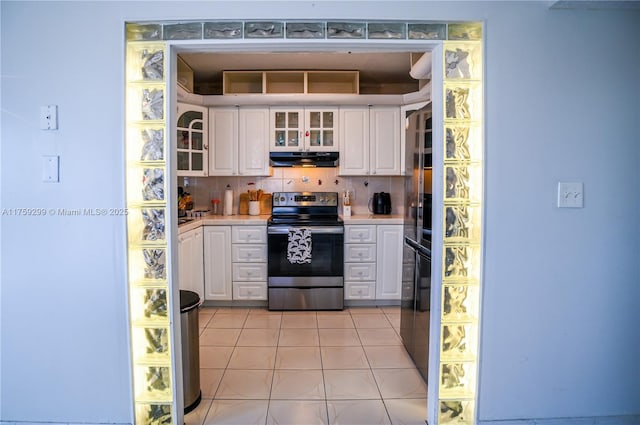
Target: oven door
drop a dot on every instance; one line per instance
(327, 258)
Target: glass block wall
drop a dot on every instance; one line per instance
(463, 183)
(146, 145)
(148, 250)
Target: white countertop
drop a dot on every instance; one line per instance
(224, 220)
(373, 219)
(261, 220)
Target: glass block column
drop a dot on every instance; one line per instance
(463, 195)
(148, 249)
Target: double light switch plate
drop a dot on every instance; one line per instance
(570, 195)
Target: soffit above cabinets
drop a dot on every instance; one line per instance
(377, 71)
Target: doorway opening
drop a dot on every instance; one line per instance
(456, 93)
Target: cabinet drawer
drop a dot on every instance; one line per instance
(359, 290)
(249, 272)
(359, 252)
(250, 291)
(249, 253)
(360, 234)
(249, 234)
(360, 271)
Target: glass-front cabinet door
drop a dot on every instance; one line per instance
(304, 129)
(321, 129)
(192, 145)
(287, 129)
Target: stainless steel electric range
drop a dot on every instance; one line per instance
(305, 238)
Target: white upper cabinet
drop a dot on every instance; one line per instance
(223, 141)
(354, 141)
(370, 141)
(253, 146)
(238, 139)
(191, 143)
(384, 137)
(304, 129)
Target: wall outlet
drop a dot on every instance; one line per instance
(570, 195)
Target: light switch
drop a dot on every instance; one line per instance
(570, 195)
(50, 169)
(49, 117)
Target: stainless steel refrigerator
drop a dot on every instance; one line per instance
(416, 280)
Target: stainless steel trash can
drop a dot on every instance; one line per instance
(189, 303)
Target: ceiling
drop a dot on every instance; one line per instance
(375, 68)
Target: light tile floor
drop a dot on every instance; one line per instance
(305, 368)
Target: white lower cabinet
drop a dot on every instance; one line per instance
(191, 262)
(389, 262)
(249, 291)
(359, 262)
(217, 263)
(359, 291)
(249, 267)
(373, 262)
(223, 263)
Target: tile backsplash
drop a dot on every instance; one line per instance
(361, 189)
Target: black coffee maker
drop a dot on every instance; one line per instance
(381, 203)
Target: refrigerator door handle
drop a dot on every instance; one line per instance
(423, 251)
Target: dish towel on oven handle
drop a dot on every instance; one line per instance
(299, 247)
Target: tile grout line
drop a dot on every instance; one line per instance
(324, 381)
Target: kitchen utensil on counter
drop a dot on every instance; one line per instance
(243, 204)
(263, 201)
(254, 207)
(346, 204)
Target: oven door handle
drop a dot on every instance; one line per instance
(422, 251)
(315, 230)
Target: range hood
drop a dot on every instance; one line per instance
(303, 159)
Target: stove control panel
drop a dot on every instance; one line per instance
(305, 199)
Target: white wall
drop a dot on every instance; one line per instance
(560, 332)
(559, 327)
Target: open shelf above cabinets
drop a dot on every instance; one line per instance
(290, 82)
